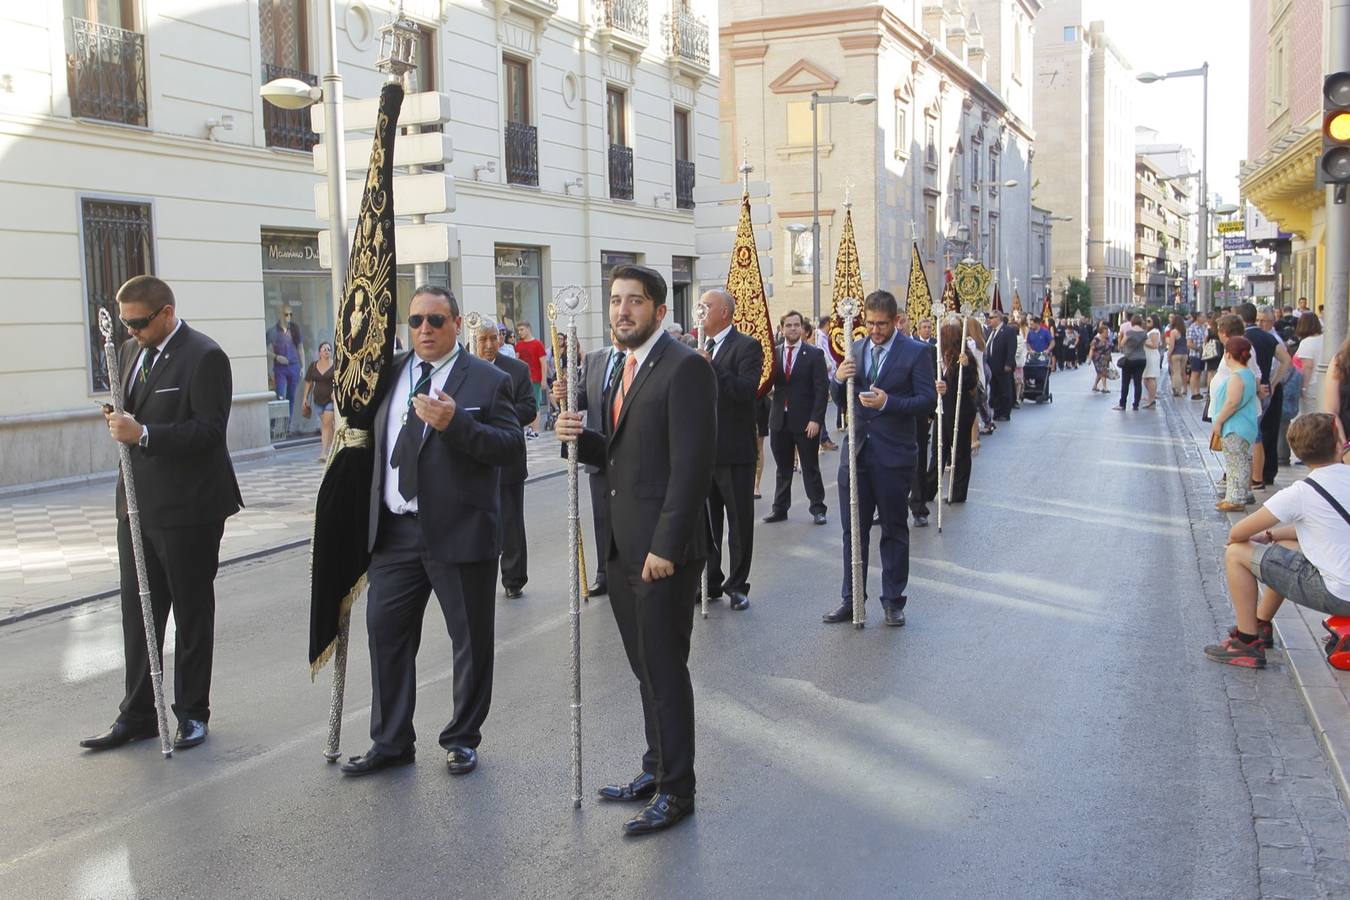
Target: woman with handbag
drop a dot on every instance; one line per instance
(1235, 424)
(1132, 345)
(1100, 356)
(319, 388)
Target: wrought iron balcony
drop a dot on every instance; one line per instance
(522, 154)
(620, 172)
(686, 38)
(624, 21)
(287, 128)
(684, 184)
(105, 73)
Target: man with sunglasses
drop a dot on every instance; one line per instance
(177, 387)
(895, 386)
(440, 434)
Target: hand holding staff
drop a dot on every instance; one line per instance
(848, 310)
(152, 648)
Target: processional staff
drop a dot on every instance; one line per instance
(848, 310)
(152, 648)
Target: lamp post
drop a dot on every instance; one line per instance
(817, 99)
(1203, 72)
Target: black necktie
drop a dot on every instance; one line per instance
(615, 375)
(137, 383)
(709, 345)
(409, 443)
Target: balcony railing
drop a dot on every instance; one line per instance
(522, 154)
(686, 37)
(627, 16)
(105, 73)
(684, 184)
(287, 128)
(620, 172)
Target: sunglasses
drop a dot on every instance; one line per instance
(435, 320)
(142, 322)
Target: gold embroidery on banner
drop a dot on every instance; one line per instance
(972, 286)
(746, 284)
(847, 283)
(919, 303)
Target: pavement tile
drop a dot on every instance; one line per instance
(1281, 884)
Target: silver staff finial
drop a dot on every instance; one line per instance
(105, 326)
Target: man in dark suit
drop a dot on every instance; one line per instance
(658, 445)
(178, 391)
(441, 432)
(738, 361)
(514, 554)
(796, 409)
(1001, 355)
(895, 383)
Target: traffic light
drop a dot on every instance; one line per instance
(1334, 167)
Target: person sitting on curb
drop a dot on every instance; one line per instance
(1297, 544)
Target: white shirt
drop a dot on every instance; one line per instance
(717, 340)
(796, 354)
(1310, 351)
(399, 401)
(1323, 536)
(1223, 371)
(641, 352)
(159, 354)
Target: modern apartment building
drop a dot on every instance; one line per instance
(133, 139)
(1162, 249)
(943, 156)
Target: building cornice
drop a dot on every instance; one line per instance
(1284, 185)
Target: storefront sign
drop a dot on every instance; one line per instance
(1236, 242)
(1234, 227)
(290, 252)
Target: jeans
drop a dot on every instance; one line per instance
(1132, 373)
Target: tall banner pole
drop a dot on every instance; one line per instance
(152, 648)
(848, 310)
(701, 313)
(571, 302)
(939, 461)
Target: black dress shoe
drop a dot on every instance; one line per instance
(895, 617)
(374, 761)
(640, 788)
(739, 601)
(819, 518)
(514, 593)
(775, 516)
(191, 732)
(920, 521)
(120, 733)
(461, 760)
(842, 613)
(661, 812)
(598, 588)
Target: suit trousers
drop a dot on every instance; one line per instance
(918, 483)
(180, 564)
(600, 516)
(1002, 391)
(402, 577)
(655, 621)
(732, 497)
(782, 443)
(515, 555)
(884, 490)
(1270, 434)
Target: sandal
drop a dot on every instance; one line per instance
(975, 448)
(1256, 486)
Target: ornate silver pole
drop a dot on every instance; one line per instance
(848, 310)
(472, 322)
(956, 414)
(939, 373)
(701, 313)
(571, 302)
(152, 648)
(331, 750)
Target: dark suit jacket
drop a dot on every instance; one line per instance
(591, 397)
(659, 460)
(1002, 350)
(526, 407)
(911, 390)
(183, 475)
(737, 365)
(806, 393)
(457, 470)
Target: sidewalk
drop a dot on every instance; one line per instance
(58, 548)
(1326, 691)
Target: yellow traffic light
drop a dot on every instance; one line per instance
(1338, 126)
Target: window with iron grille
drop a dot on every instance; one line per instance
(118, 245)
(105, 61)
(283, 30)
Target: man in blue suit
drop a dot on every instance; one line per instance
(895, 385)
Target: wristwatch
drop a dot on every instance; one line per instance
(145, 437)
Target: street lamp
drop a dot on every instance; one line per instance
(818, 98)
(291, 93)
(1203, 72)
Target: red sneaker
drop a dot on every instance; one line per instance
(1235, 652)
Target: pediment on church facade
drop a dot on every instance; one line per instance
(802, 77)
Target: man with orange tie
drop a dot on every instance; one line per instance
(796, 411)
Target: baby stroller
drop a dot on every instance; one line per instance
(1036, 378)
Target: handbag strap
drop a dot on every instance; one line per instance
(1326, 495)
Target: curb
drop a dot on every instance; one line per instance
(69, 603)
(1327, 707)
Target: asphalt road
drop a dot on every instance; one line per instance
(1045, 726)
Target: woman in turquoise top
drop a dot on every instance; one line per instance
(1235, 423)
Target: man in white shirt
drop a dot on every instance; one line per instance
(1298, 545)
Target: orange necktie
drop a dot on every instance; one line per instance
(629, 367)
